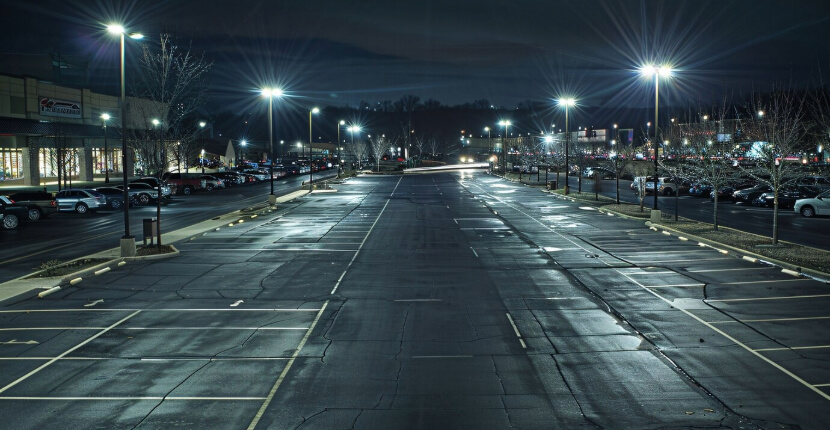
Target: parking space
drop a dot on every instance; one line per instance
(685, 298)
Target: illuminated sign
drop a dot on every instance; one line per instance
(62, 108)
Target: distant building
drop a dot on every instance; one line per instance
(44, 125)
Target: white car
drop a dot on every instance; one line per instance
(818, 205)
(80, 200)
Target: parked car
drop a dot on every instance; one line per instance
(159, 185)
(230, 178)
(700, 190)
(260, 175)
(143, 193)
(10, 214)
(212, 182)
(749, 194)
(818, 205)
(786, 197)
(603, 173)
(248, 178)
(39, 203)
(819, 181)
(115, 197)
(665, 185)
(80, 200)
(185, 183)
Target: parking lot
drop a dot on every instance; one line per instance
(429, 300)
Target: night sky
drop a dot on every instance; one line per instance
(332, 52)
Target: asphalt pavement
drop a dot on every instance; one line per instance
(451, 300)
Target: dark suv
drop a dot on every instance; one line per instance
(11, 214)
(39, 203)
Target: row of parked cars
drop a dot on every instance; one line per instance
(807, 195)
(34, 205)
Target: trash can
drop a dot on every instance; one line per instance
(151, 228)
(552, 185)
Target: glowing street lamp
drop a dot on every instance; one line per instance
(311, 146)
(649, 71)
(355, 129)
(104, 118)
(567, 103)
(506, 125)
(271, 93)
(340, 124)
(127, 241)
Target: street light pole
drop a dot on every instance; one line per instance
(202, 137)
(489, 147)
(104, 118)
(127, 241)
(311, 147)
(271, 93)
(340, 124)
(651, 70)
(567, 103)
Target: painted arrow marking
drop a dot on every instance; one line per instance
(89, 305)
(16, 342)
(237, 303)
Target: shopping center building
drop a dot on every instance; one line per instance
(46, 127)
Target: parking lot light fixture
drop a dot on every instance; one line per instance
(649, 71)
(567, 103)
(104, 118)
(127, 241)
(270, 93)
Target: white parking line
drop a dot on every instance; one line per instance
(69, 351)
(516, 330)
(117, 399)
(734, 269)
(27, 311)
(363, 242)
(794, 348)
(711, 326)
(748, 299)
(287, 367)
(675, 286)
(149, 328)
(769, 320)
(763, 282)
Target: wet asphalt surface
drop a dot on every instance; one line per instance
(452, 300)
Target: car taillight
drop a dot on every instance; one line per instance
(53, 203)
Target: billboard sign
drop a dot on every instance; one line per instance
(61, 108)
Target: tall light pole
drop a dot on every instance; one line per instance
(567, 103)
(340, 124)
(353, 129)
(202, 125)
(127, 241)
(311, 146)
(506, 125)
(271, 93)
(651, 70)
(104, 118)
(489, 148)
(242, 144)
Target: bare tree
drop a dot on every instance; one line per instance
(707, 146)
(777, 122)
(420, 144)
(433, 145)
(619, 163)
(378, 146)
(173, 84)
(359, 150)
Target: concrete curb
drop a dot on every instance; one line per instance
(737, 252)
(742, 253)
